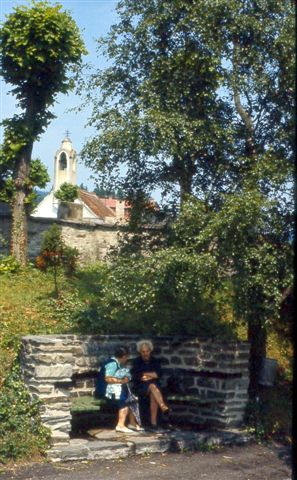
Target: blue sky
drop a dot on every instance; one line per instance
(94, 18)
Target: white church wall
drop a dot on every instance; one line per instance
(47, 208)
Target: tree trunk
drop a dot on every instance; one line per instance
(186, 171)
(19, 233)
(185, 189)
(257, 334)
(247, 120)
(257, 337)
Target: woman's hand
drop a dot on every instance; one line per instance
(149, 376)
(125, 380)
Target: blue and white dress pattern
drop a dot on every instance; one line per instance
(114, 369)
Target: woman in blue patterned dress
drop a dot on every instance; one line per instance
(111, 383)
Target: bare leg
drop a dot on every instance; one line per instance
(153, 409)
(123, 412)
(155, 392)
(132, 419)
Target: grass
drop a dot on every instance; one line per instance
(28, 307)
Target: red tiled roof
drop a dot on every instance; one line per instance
(112, 202)
(95, 204)
(109, 201)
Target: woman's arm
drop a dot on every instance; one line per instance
(149, 376)
(111, 373)
(112, 380)
(154, 373)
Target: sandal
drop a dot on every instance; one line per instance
(136, 428)
(164, 408)
(124, 430)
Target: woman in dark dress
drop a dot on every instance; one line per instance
(146, 373)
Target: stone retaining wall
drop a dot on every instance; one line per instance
(92, 240)
(56, 368)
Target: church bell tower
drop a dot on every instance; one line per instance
(65, 164)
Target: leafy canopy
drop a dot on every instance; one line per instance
(67, 192)
(198, 96)
(157, 108)
(39, 43)
(38, 177)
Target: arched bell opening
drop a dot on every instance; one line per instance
(63, 161)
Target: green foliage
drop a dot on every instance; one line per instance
(21, 431)
(38, 177)
(8, 264)
(158, 108)
(39, 45)
(251, 244)
(171, 291)
(39, 42)
(55, 254)
(67, 192)
(27, 301)
(230, 263)
(63, 311)
(194, 102)
(106, 192)
(269, 416)
(3, 241)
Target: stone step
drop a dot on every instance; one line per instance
(106, 444)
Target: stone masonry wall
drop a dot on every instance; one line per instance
(56, 368)
(92, 240)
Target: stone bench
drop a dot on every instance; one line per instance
(87, 404)
(85, 412)
(91, 404)
(59, 370)
(190, 399)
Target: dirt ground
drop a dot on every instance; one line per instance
(251, 462)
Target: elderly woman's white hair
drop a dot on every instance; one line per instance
(145, 342)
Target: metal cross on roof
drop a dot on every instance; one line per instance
(67, 133)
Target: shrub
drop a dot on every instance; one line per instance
(56, 255)
(9, 264)
(269, 415)
(21, 431)
(67, 192)
(170, 292)
(63, 311)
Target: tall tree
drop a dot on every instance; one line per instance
(256, 39)
(159, 109)
(40, 44)
(162, 114)
(157, 106)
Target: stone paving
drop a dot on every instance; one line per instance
(107, 444)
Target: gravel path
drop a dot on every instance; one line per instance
(251, 462)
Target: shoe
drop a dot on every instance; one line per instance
(155, 429)
(136, 428)
(164, 409)
(165, 415)
(124, 430)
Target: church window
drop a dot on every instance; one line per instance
(63, 161)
